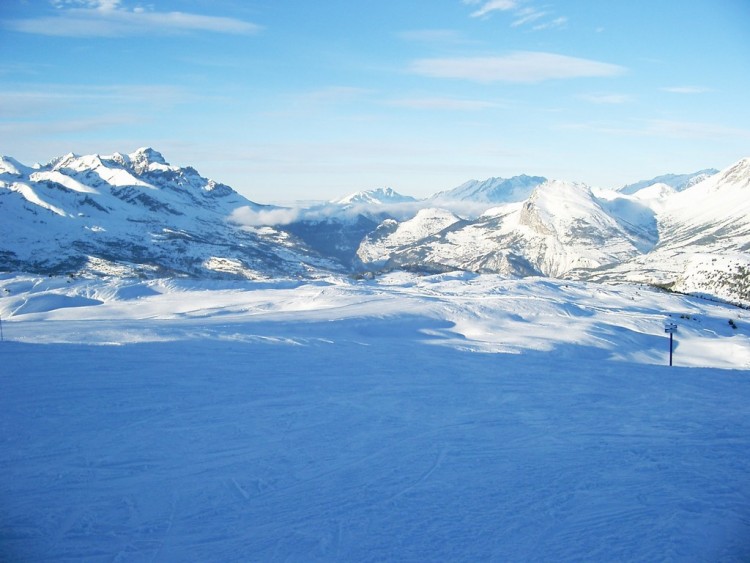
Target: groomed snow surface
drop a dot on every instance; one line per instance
(445, 418)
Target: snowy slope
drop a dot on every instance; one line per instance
(561, 227)
(717, 208)
(377, 196)
(128, 214)
(183, 420)
(335, 229)
(10, 167)
(704, 239)
(484, 313)
(678, 182)
(493, 190)
(390, 235)
(136, 213)
(655, 196)
(694, 241)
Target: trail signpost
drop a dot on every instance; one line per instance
(670, 328)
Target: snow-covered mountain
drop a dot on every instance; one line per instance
(694, 241)
(704, 239)
(560, 227)
(336, 228)
(390, 236)
(379, 196)
(134, 214)
(679, 182)
(337, 235)
(493, 190)
(452, 417)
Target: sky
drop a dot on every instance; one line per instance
(297, 100)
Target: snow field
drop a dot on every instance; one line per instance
(485, 313)
(333, 420)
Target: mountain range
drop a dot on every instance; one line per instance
(136, 215)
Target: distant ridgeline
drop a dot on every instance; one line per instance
(136, 215)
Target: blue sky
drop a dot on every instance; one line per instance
(291, 99)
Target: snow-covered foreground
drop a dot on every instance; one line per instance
(356, 421)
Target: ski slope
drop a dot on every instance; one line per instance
(454, 417)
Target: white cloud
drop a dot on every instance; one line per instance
(491, 6)
(445, 36)
(694, 130)
(685, 89)
(105, 18)
(528, 15)
(522, 67)
(248, 217)
(557, 22)
(664, 128)
(607, 98)
(31, 102)
(34, 131)
(279, 216)
(523, 12)
(448, 104)
(334, 94)
(94, 4)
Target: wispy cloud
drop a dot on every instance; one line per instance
(522, 11)
(33, 101)
(249, 217)
(694, 130)
(36, 130)
(613, 99)
(106, 18)
(443, 36)
(280, 216)
(489, 6)
(528, 15)
(448, 104)
(664, 128)
(522, 67)
(320, 101)
(557, 22)
(334, 94)
(685, 89)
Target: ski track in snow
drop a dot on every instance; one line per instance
(336, 421)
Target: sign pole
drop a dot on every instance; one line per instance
(670, 328)
(671, 336)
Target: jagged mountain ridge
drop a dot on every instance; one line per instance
(696, 240)
(678, 182)
(134, 214)
(493, 190)
(378, 247)
(704, 244)
(378, 196)
(560, 227)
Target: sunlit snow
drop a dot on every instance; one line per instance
(452, 417)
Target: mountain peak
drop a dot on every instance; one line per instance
(62, 160)
(493, 190)
(738, 173)
(679, 182)
(376, 196)
(145, 159)
(11, 166)
(149, 154)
